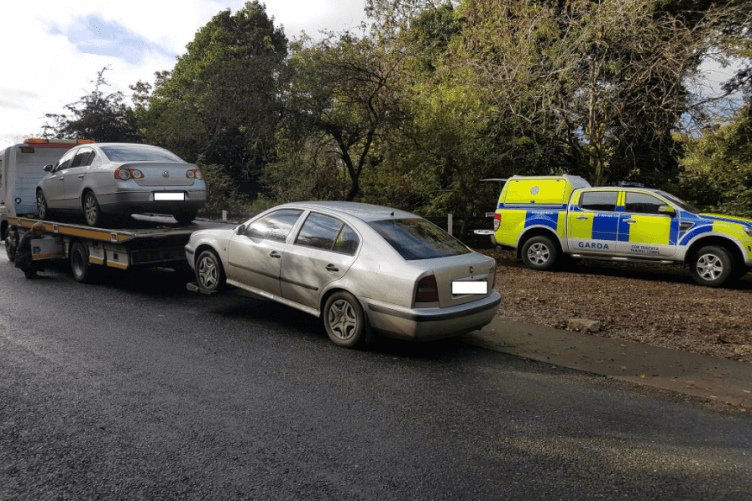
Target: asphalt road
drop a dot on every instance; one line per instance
(138, 389)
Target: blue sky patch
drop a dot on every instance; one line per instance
(94, 35)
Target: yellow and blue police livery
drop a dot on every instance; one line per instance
(547, 217)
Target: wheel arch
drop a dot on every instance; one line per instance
(718, 240)
(537, 231)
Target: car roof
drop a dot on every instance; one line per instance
(364, 212)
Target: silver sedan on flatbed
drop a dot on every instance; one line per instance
(357, 266)
(121, 179)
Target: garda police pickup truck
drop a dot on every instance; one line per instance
(550, 217)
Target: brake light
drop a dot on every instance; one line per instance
(194, 174)
(497, 221)
(126, 174)
(427, 291)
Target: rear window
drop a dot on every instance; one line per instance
(418, 239)
(139, 153)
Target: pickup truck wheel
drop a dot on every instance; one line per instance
(712, 266)
(344, 319)
(43, 212)
(209, 272)
(540, 253)
(92, 212)
(79, 262)
(11, 242)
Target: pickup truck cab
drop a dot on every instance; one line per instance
(550, 217)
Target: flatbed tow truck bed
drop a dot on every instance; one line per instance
(142, 241)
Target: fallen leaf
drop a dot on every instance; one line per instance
(642, 376)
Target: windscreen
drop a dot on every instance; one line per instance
(418, 239)
(139, 153)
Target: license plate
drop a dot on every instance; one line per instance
(169, 196)
(464, 287)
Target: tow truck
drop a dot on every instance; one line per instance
(145, 241)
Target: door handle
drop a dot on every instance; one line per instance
(80, 176)
(582, 218)
(275, 254)
(61, 178)
(331, 267)
(630, 221)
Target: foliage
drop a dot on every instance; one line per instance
(718, 167)
(582, 79)
(221, 190)
(221, 99)
(340, 99)
(97, 115)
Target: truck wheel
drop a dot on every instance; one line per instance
(540, 253)
(185, 217)
(92, 212)
(79, 262)
(344, 319)
(11, 242)
(209, 272)
(43, 212)
(712, 266)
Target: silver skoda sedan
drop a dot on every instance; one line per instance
(356, 266)
(121, 179)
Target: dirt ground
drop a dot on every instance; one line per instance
(659, 305)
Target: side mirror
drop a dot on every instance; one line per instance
(48, 168)
(239, 229)
(667, 209)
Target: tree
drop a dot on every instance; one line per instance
(582, 79)
(221, 99)
(718, 166)
(99, 116)
(340, 99)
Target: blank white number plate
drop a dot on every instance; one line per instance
(169, 196)
(460, 287)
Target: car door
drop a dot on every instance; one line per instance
(592, 225)
(643, 230)
(53, 186)
(74, 177)
(323, 251)
(255, 255)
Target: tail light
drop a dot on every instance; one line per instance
(126, 174)
(427, 291)
(497, 221)
(194, 174)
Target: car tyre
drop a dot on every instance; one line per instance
(185, 217)
(209, 272)
(712, 266)
(344, 320)
(92, 212)
(79, 263)
(540, 253)
(43, 211)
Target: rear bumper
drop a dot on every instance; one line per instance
(423, 324)
(143, 201)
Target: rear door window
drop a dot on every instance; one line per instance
(418, 239)
(599, 200)
(327, 233)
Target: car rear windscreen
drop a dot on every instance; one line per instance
(418, 239)
(139, 153)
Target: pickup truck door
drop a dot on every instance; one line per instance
(643, 231)
(592, 222)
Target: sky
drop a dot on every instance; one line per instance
(52, 49)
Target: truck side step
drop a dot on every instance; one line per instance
(623, 259)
